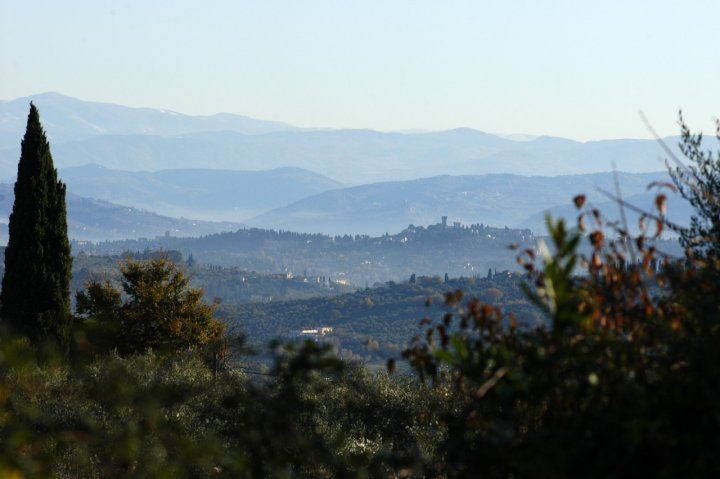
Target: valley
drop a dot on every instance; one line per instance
(361, 240)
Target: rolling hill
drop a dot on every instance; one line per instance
(96, 220)
(354, 156)
(497, 200)
(217, 195)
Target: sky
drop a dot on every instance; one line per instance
(577, 69)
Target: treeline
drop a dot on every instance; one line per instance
(225, 284)
(362, 260)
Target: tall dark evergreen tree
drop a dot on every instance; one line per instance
(35, 297)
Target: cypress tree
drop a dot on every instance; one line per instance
(35, 297)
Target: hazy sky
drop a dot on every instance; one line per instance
(579, 69)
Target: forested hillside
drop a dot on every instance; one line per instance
(226, 284)
(458, 250)
(375, 324)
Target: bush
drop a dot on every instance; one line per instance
(155, 308)
(625, 379)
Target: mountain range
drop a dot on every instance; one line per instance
(69, 119)
(273, 175)
(355, 156)
(218, 195)
(150, 140)
(498, 200)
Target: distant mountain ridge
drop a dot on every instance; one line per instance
(356, 156)
(69, 119)
(231, 168)
(145, 139)
(217, 195)
(95, 220)
(497, 200)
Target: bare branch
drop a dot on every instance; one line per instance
(623, 218)
(669, 224)
(666, 148)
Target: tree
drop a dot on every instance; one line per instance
(36, 287)
(699, 182)
(159, 309)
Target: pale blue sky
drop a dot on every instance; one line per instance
(579, 69)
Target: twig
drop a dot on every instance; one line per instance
(490, 383)
(623, 217)
(667, 149)
(672, 226)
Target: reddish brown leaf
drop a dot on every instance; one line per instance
(660, 203)
(579, 201)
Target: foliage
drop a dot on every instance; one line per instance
(623, 383)
(699, 182)
(461, 251)
(114, 417)
(169, 416)
(36, 286)
(375, 323)
(621, 380)
(155, 308)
